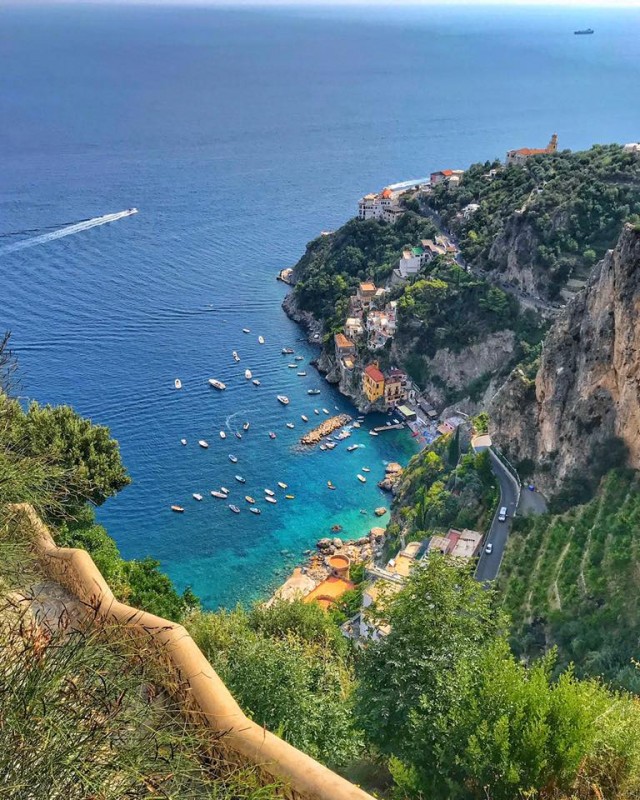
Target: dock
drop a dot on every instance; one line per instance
(325, 428)
(395, 427)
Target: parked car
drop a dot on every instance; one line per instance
(488, 549)
(502, 516)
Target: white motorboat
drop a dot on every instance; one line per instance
(223, 435)
(330, 445)
(361, 478)
(255, 510)
(224, 489)
(326, 411)
(236, 357)
(272, 435)
(240, 479)
(303, 417)
(302, 374)
(197, 496)
(313, 391)
(250, 500)
(247, 374)
(255, 382)
(315, 411)
(261, 339)
(246, 330)
(351, 448)
(217, 384)
(235, 509)
(282, 485)
(177, 383)
(183, 442)
(246, 426)
(356, 424)
(282, 398)
(233, 459)
(238, 435)
(373, 433)
(286, 351)
(178, 509)
(203, 443)
(271, 499)
(366, 469)
(219, 495)
(323, 446)
(269, 492)
(299, 358)
(292, 366)
(290, 425)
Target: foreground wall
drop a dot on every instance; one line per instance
(185, 672)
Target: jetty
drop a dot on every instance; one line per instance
(325, 428)
(396, 426)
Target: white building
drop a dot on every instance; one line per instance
(381, 325)
(373, 206)
(411, 261)
(353, 327)
(392, 214)
(632, 147)
(450, 176)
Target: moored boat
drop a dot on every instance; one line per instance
(282, 485)
(373, 433)
(217, 384)
(271, 499)
(292, 366)
(235, 509)
(330, 485)
(240, 479)
(255, 382)
(219, 495)
(282, 398)
(236, 357)
(255, 510)
(304, 418)
(224, 489)
(238, 435)
(302, 374)
(326, 410)
(313, 391)
(247, 374)
(177, 383)
(204, 444)
(246, 330)
(290, 425)
(250, 500)
(351, 448)
(178, 509)
(272, 435)
(361, 478)
(197, 496)
(366, 469)
(299, 358)
(261, 339)
(269, 492)
(223, 435)
(233, 459)
(289, 497)
(246, 426)
(183, 442)
(315, 411)
(286, 351)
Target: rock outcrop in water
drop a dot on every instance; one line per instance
(585, 400)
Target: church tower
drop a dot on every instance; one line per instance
(552, 147)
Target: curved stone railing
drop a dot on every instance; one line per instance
(186, 673)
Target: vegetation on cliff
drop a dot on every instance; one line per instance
(570, 581)
(570, 206)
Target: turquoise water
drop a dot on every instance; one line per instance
(239, 136)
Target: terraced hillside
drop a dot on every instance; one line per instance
(572, 581)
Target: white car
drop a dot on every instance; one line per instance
(488, 549)
(502, 516)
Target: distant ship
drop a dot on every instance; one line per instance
(585, 32)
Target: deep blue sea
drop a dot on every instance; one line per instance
(240, 135)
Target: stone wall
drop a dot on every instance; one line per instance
(185, 673)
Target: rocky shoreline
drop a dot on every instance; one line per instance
(327, 427)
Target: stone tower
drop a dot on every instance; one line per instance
(552, 147)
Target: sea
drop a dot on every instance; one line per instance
(240, 135)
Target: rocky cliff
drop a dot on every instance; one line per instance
(586, 395)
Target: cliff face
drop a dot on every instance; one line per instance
(587, 389)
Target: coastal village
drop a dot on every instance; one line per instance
(371, 322)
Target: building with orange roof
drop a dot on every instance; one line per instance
(329, 591)
(372, 383)
(446, 176)
(519, 157)
(344, 346)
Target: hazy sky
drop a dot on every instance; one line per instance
(548, 3)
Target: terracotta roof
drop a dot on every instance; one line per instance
(342, 341)
(367, 286)
(529, 151)
(386, 193)
(328, 591)
(374, 373)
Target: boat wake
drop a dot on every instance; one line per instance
(77, 227)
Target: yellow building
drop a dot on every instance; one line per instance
(373, 383)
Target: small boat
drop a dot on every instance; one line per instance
(197, 496)
(238, 435)
(217, 384)
(233, 459)
(302, 417)
(351, 448)
(330, 485)
(361, 478)
(271, 500)
(177, 383)
(387, 423)
(255, 510)
(373, 433)
(315, 411)
(250, 500)
(255, 382)
(178, 509)
(323, 446)
(236, 357)
(223, 435)
(366, 469)
(356, 424)
(247, 374)
(204, 444)
(261, 339)
(183, 442)
(313, 391)
(290, 425)
(235, 509)
(272, 435)
(240, 479)
(282, 398)
(224, 489)
(270, 492)
(289, 497)
(396, 421)
(292, 366)
(282, 485)
(302, 374)
(246, 426)
(219, 495)
(246, 330)
(299, 358)
(330, 445)
(286, 351)
(326, 411)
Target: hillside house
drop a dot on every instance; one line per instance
(395, 388)
(519, 157)
(381, 325)
(374, 206)
(372, 383)
(411, 261)
(392, 214)
(366, 293)
(450, 176)
(464, 544)
(353, 327)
